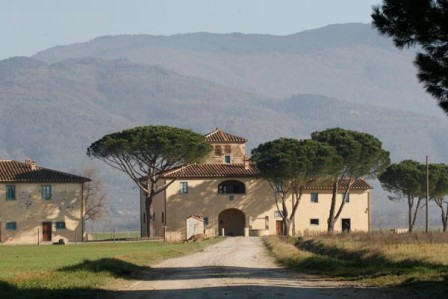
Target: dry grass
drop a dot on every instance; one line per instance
(428, 248)
(412, 260)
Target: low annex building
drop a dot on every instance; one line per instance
(227, 195)
(39, 204)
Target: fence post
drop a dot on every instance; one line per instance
(114, 234)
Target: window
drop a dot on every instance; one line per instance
(183, 187)
(314, 197)
(231, 187)
(163, 217)
(144, 217)
(10, 192)
(346, 226)
(218, 150)
(314, 221)
(205, 220)
(60, 225)
(227, 159)
(46, 192)
(278, 214)
(227, 149)
(347, 197)
(11, 225)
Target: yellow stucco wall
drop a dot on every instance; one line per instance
(29, 211)
(258, 206)
(237, 153)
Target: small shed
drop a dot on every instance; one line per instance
(195, 225)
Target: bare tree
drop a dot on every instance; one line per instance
(94, 197)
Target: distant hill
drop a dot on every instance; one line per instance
(349, 61)
(53, 112)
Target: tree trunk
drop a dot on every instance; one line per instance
(411, 228)
(445, 223)
(286, 227)
(293, 216)
(149, 218)
(286, 221)
(295, 206)
(445, 217)
(330, 221)
(341, 207)
(410, 204)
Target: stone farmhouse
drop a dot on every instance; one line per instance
(39, 205)
(227, 195)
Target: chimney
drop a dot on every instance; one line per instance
(31, 164)
(246, 163)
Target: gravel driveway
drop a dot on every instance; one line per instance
(238, 268)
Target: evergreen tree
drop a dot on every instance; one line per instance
(422, 23)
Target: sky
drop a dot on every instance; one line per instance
(29, 26)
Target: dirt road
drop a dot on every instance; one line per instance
(238, 268)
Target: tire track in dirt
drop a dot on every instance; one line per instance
(239, 268)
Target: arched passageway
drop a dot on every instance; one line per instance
(232, 221)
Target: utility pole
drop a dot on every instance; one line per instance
(427, 193)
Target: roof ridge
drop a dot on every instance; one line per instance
(221, 136)
(214, 131)
(16, 171)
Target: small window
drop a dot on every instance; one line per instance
(11, 225)
(278, 214)
(163, 217)
(314, 197)
(205, 220)
(183, 187)
(10, 192)
(227, 159)
(60, 225)
(314, 221)
(227, 149)
(218, 150)
(144, 217)
(46, 192)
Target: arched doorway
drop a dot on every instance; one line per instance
(232, 221)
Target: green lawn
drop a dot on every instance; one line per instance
(67, 271)
(416, 261)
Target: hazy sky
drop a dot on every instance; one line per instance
(28, 26)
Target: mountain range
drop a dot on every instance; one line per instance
(350, 62)
(261, 87)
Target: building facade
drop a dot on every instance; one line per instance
(39, 205)
(228, 193)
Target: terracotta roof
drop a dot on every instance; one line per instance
(218, 136)
(214, 170)
(14, 171)
(238, 170)
(359, 184)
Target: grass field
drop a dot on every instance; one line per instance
(416, 261)
(82, 270)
